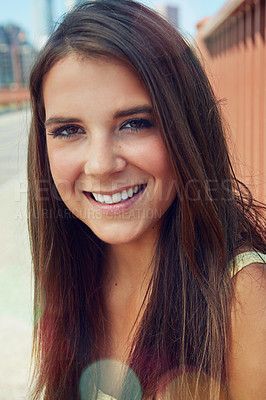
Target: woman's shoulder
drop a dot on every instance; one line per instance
(250, 288)
(247, 357)
(249, 275)
(249, 303)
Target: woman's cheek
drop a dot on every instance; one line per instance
(65, 171)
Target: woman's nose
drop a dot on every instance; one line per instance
(104, 158)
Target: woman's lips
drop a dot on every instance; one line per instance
(119, 207)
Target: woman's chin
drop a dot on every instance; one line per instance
(125, 234)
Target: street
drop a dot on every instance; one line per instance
(15, 265)
(14, 128)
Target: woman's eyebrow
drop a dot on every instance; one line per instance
(143, 109)
(61, 120)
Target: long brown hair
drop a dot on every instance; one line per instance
(184, 332)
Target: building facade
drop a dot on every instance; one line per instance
(170, 13)
(16, 57)
(233, 46)
(44, 23)
(6, 70)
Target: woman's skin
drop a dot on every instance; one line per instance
(247, 359)
(109, 142)
(102, 137)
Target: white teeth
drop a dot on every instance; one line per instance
(116, 197)
(124, 195)
(107, 199)
(96, 196)
(100, 198)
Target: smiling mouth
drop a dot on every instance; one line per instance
(118, 197)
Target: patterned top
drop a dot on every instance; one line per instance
(241, 260)
(103, 396)
(244, 259)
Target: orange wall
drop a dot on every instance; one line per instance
(234, 55)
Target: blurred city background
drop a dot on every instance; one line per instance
(228, 36)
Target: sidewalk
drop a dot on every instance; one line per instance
(16, 324)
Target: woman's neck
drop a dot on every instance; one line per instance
(128, 269)
(130, 265)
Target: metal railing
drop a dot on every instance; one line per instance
(16, 96)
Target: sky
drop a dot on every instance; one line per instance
(20, 12)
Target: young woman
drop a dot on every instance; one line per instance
(139, 228)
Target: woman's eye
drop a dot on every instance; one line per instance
(67, 131)
(137, 124)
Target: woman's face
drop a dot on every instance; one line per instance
(106, 154)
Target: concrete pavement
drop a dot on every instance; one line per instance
(16, 322)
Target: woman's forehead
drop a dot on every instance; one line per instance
(75, 83)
